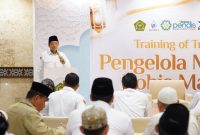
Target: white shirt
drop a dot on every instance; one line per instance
(132, 102)
(195, 105)
(63, 102)
(150, 129)
(52, 60)
(194, 100)
(196, 110)
(193, 128)
(119, 123)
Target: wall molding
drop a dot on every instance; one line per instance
(16, 72)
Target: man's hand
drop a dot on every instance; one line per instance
(62, 60)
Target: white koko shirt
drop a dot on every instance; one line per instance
(132, 102)
(51, 60)
(119, 123)
(63, 102)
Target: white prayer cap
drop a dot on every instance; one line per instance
(167, 95)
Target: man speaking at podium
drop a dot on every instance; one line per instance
(54, 58)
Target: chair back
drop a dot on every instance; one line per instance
(54, 122)
(140, 124)
(156, 85)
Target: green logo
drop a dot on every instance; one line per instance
(166, 25)
(139, 25)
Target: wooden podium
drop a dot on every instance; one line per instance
(58, 74)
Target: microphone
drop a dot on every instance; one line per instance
(61, 58)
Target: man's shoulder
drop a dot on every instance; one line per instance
(117, 113)
(79, 111)
(140, 94)
(21, 108)
(139, 91)
(116, 117)
(55, 93)
(45, 53)
(75, 114)
(75, 94)
(119, 92)
(79, 95)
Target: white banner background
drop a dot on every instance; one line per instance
(67, 19)
(118, 41)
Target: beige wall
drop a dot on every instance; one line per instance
(16, 47)
(12, 90)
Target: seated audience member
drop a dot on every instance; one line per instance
(48, 82)
(63, 102)
(167, 96)
(174, 121)
(102, 96)
(24, 117)
(130, 100)
(94, 121)
(4, 123)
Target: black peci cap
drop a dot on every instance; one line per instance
(102, 87)
(41, 88)
(53, 38)
(174, 120)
